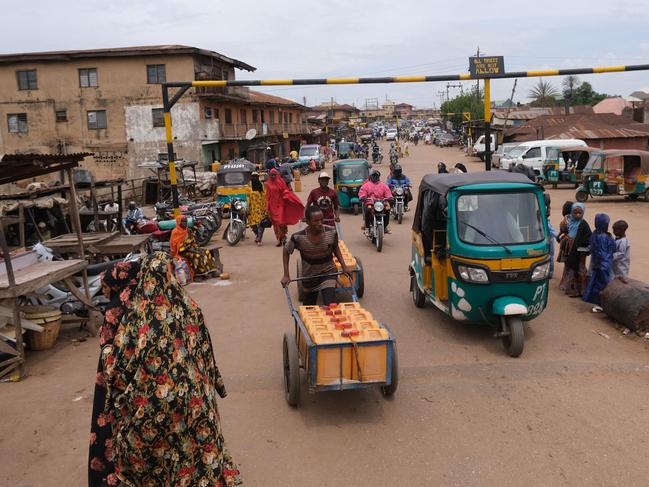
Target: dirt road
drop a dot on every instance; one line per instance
(571, 411)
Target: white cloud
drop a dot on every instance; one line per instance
(310, 38)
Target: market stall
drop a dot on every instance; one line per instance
(29, 275)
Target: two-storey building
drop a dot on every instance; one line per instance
(109, 102)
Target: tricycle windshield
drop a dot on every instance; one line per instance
(499, 218)
(595, 162)
(308, 151)
(233, 179)
(353, 173)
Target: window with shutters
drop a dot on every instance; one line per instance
(228, 116)
(61, 115)
(255, 116)
(272, 116)
(157, 114)
(27, 79)
(243, 118)
(156, 73)
(88, 78)
(97, 119)
(17, 123)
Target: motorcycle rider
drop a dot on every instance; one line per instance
(397, 178)
(376, 152)
(326, 199)
(394, 154)
(374, 189)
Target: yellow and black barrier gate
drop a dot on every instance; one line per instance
(497, 73)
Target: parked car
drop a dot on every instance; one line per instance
(502, 150)
(479, 146)
(391, 134)
(534, 153)
(311, 151)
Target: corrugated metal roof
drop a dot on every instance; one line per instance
(120, 52)
(576, 126)
(15, 167)
(259, 97)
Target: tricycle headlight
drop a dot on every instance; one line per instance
(239, 205)
(472, 274)
(379, 206)
(541, 271)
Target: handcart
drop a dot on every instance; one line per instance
(340, 347)
(344, 284)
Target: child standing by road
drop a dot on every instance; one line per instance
(622, 255)
(602, 247)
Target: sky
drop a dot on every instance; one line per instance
(349, 38)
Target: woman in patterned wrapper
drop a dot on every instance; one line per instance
(162, 386)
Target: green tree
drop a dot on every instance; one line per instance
(471, 102)
(585, 95)
(543, 94)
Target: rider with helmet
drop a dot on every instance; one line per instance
(399, 179)
(394, 154)
(374, 189)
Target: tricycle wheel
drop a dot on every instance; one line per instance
(291, 370)
(646, 195)
(391, 388)
(417, 296)
(360, 279)
(300, 288)
(581, 196)
(355, 208)
(514, 341)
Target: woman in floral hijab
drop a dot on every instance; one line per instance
(118, 284)
(162, 386)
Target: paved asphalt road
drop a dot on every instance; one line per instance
(571, 411)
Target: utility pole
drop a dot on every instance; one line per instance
(451, 85)
(509, 107)
(441, 94)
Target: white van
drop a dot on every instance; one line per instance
(479, 146)
(533, 153)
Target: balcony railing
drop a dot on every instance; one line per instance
(239, 131)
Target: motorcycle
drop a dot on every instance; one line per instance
(394, 158)
(376, 231)
(206, 219)
(238, 221)
(377, 157)
(60, 297)
(398, 208)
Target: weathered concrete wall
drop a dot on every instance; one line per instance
(146, 142)
(121, 81)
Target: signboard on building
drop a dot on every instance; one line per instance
(486, 66)
(285, 135)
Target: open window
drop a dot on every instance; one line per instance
(632, 168)
(430, 221)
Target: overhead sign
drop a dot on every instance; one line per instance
(486, 66)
